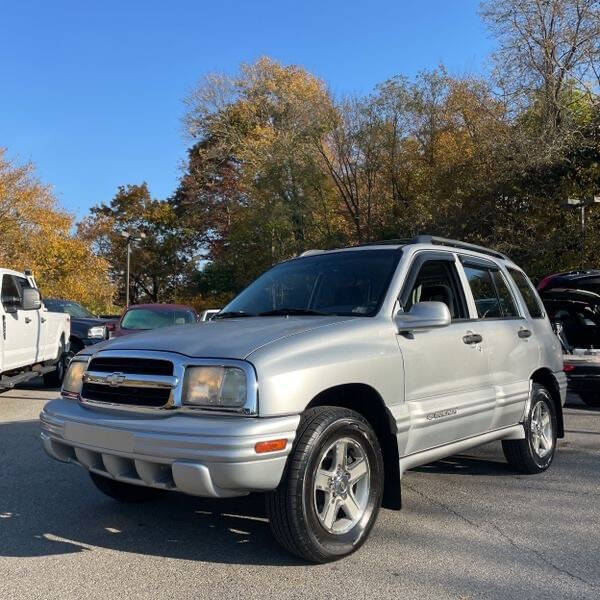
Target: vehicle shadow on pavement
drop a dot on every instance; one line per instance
(466, 465)
(49, 508)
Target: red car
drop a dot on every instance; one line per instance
(142, 317)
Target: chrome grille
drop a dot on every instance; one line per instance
(129, 381)
(135, 366)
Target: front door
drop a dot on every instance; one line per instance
(448, 390)
(21, 327)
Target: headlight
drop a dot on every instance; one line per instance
(73, 380)
(97, 332)
(214, 387)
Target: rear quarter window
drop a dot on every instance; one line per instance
(528, 293)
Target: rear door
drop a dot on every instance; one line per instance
(513, 352)
(447, 385)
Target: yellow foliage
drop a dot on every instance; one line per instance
(36, 234)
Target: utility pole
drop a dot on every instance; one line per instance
(130, 238)
(581, 203)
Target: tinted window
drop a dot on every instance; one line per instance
(507, 303)
(484, 292)
(9, 288)
(529, 295)
(437, 282)
(146, 318)
(346, 283)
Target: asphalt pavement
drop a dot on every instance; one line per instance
(470, 528)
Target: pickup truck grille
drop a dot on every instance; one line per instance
(129, 381)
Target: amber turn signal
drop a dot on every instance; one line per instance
(270, 446)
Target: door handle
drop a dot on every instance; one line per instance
(27, 320)
(43, 319)
(524, 333)
(472, 338)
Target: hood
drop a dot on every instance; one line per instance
(224, 338)
(88, 321)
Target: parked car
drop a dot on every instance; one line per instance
(86, 328)
(575, 316)
(321, 384)
(33, 341)
(142, 317)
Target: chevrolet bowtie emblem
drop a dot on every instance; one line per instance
(115, 379)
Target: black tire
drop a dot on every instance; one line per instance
(124, 492)
(590, 399)
(527, 455)
(55, 378)
(293, 507)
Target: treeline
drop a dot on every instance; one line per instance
(279, 165)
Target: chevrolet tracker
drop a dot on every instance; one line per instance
(320, 385)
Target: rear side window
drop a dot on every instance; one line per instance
(484, 292)
(507, 303)
(534, 305)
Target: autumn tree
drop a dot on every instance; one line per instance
(36, 234)
(160, 261)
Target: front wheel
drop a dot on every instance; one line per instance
(329, 497)
(55, 378)
(535, 453)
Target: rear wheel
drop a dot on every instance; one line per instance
(124, 492)
(535, 453)
(591, 398)
(329, 497)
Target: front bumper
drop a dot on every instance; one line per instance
(198, 455)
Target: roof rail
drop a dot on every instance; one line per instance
(440, 241)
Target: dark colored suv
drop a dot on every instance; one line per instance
(86, 328)
(572, 301)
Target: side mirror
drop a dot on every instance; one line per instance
(31, 299)
(422, 316)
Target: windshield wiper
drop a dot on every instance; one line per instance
(233, 314)
(291, 311)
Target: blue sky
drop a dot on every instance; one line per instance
(92, 92)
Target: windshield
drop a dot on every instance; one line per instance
(337, 283)
(147, 318)
(71, 308)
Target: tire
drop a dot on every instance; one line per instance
(590, 399)
(317, 512)
(535, 453)
(124, 492)
(55, 378)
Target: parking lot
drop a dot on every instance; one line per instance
(470, 528)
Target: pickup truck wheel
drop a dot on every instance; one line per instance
(124, 492)
(591, 399)
(535, 453)
(55, 378)
(329, 497)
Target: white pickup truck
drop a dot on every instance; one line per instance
(33, 341)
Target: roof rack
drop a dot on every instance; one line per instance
(440, 241)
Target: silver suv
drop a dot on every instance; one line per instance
(320, 385)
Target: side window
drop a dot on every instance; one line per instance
(23, 283)
(484, 292)
(10, 291)
(534, 306)
(507, 302)
(438, 281)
